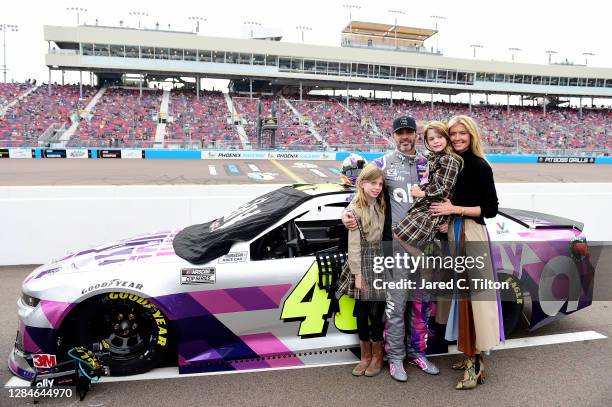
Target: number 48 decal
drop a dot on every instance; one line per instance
(312, 306)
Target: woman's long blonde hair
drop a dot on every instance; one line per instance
(369, 173)
(472, 128)
(441, 129)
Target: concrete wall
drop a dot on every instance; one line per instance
(38, 224)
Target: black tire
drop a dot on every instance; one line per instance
(512, 303)
(135, 330)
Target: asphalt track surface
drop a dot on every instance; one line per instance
(569, 374)
(15, 172)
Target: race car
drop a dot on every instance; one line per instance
(255, 288)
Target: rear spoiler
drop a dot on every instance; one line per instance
(538, 220)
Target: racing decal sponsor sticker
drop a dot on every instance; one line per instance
(77, 153)
(4, 153)
(304, 165)
(200, 275)
(54, 153)
(43, 360)
(114, 283)
(21, 153)
(262, 176)
(132, 154)
(235, 257)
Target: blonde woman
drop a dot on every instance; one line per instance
(475, 319)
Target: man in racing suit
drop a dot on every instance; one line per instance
(403, 168)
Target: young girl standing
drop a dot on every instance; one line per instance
(444, 166)
(368, 206)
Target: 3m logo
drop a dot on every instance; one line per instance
(43, 360)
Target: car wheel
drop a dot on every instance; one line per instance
(134, 329)
(512, 303)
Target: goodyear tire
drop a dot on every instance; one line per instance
(135, 330)
(512, 303)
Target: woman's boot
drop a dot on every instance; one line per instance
(377, 359)
(471, 378)
(366, 358)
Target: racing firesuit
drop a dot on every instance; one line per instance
(401, 172)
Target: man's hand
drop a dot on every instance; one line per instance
(443, 228)
(416, 192)
(349, 221)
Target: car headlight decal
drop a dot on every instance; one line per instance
(29, 300)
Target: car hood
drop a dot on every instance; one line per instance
(137, 249)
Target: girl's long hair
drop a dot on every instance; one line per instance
(441, 129)
(369, 173)
(472, 128)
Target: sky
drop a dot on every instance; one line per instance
(568, 27)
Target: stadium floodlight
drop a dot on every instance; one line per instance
(252, 24)
(4, 28)
(586, 56)
(303, 28)
(197, 19)
(513, 50)
(436, 19)
(138, 14)
(475, 46)
(78, 11)
(350, 8)
(395, 13)
(550, 53)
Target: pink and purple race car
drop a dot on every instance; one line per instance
(251, 290)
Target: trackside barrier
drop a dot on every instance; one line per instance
(179, 154)
(43, 223)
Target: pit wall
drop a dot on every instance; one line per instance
(167, 154)
(39, 224)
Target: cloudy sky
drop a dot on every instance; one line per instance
(568, 27)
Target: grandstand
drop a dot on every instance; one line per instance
(283, 78)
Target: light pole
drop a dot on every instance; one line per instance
(138, 15)
(474, 46)
(350, 8)
(586, 56)
(5, 28)
(436, 19)
(197, 19)
(252, 24)
(550, 53)
(395, 13)
(78, 11)
(303, 28)
(513, 50)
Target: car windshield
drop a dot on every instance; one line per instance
(201, 243)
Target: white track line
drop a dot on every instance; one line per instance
(253, 168)
(212, 170)
(319, 173)
(172, 372)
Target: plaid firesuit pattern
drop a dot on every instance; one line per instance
(418, 225)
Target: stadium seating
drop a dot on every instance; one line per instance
(27, 120)
(200, 123)
(120, 119)
(290, 134)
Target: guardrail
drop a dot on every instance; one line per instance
(302, 154)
